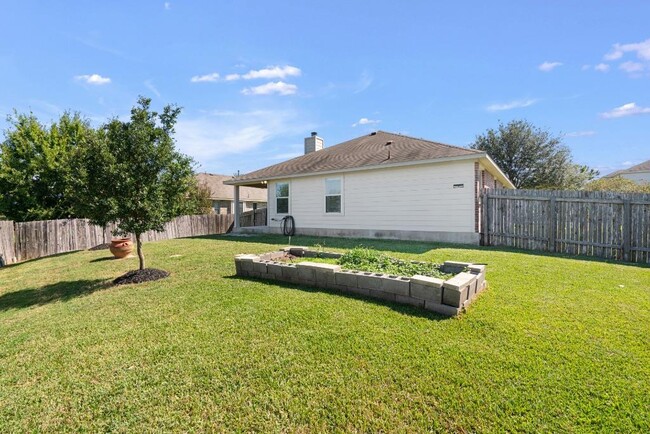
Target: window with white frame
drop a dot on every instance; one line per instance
(282, 198)
(333, 196)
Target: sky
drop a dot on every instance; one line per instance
(254, 78)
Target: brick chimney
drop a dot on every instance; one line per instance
(313, 143)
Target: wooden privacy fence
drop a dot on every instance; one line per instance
(603, 224)
(31, 240)
(253, 218)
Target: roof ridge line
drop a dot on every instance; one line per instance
(430, 141)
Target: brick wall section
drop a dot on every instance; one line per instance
(477, 193)
(448, 297)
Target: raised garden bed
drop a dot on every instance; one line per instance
(447, 297)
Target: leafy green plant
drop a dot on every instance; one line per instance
(364, 259)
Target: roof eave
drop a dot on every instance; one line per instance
(473, 156)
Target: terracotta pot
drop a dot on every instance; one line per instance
(121, 247)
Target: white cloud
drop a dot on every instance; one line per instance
(267, 73)
(149, 85)
(580, 134)
(168, 6)
(273, 72)
(273, 87)
(366, 121)
(642, 50)
(94, 79)
(511, 105)
(602, 67)
(205, 78)
(631, 67)
(549, 66)
(220, 133)
(365, 80)
(629, 109)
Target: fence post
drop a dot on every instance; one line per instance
(627, 228)
(485, 220)
(552, 223)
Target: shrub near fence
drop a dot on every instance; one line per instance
(602, 224)
(30, 240)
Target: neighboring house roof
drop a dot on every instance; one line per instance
(220, 191)
(368, 151)
(643, 167)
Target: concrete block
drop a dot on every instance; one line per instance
(290, 273)
(476, 268)
(409, 300)
(454, 266)
(298, 251)
(274, 270)
(259, 268)
(306, 275)
(322, 275)
(331, 268)
(457, 289)
(396, 285)
(357, 291)
(387, 296)
(346, 278)
(369, 280)
(246, 263)
(426, 288)
(329, 255)
(442, 308)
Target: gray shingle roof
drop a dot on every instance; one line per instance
(220, 191)
(365, 151)
(643, 167)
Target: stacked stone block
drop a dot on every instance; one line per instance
(448, 297)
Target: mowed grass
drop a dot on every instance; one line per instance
(555, 344)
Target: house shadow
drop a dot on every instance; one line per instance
(61, 291)
(403, 246)
(400, 246)
(399, 308)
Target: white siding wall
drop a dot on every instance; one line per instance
(411, 198)
(637, 176)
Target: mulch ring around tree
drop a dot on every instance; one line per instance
(139, 276)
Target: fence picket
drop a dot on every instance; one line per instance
(602, 224)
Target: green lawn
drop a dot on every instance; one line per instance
(555, 344)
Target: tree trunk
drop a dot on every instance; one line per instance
(140, 254)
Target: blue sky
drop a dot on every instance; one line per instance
(255, 77)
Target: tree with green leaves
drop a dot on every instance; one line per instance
(133, 175)
(532, 157)
(36, 168)
(618, 184)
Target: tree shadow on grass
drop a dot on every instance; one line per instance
(104, 258)
(400, 308)
(29, 261)
(61, 291)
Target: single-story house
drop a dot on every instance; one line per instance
(381, 185)
(639, 173)
(223, 196)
